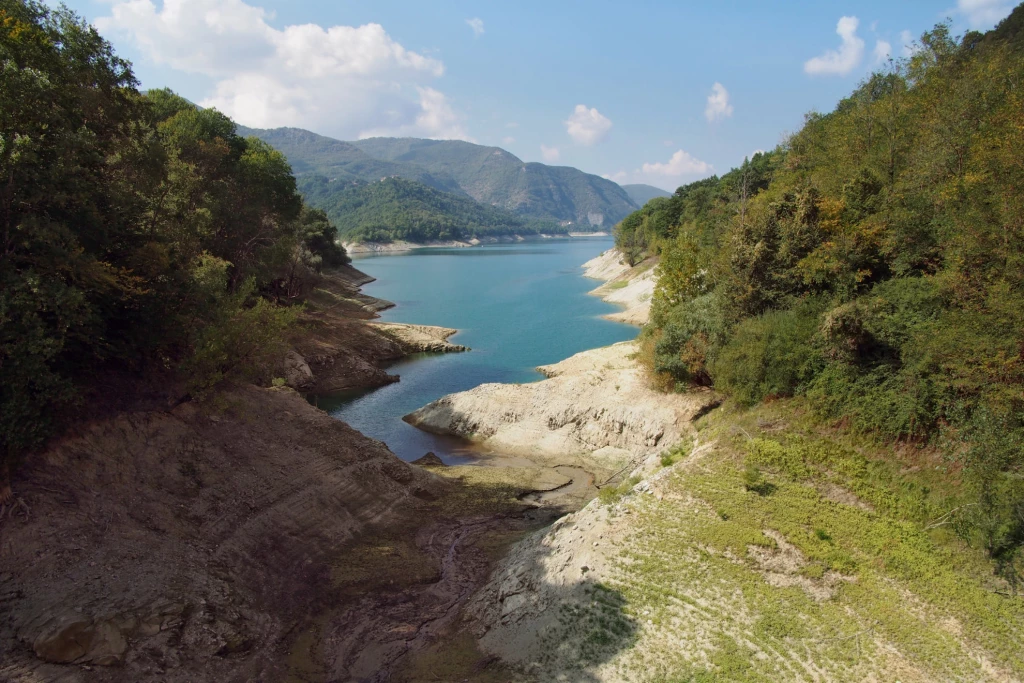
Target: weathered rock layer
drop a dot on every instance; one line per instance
(596, 408)
(182, 546)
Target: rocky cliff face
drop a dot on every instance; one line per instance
(184, 546)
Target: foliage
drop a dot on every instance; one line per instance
(488, 175)
(400, 209)
(137, 233)
(873, 262)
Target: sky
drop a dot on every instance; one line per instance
(654, 92)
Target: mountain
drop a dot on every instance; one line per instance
(494, 176)
(309, 153)
(489, 175)
(397, 208)
(641, 194)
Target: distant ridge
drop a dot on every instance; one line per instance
(489, 175)
(641, 194)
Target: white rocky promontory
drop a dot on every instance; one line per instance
(631, 287)
(420, 338)
(596, 409)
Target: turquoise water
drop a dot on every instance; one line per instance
(517, 306)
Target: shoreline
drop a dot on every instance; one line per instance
(629, 287)
(398, 246)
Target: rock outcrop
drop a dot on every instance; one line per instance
(596, 409)
(339, 348)
(421, 338)
(186, 545)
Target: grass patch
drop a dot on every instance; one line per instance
(609, 495)
(855, 587)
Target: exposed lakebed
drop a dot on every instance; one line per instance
(516, 305)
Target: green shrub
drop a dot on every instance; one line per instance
(691, 333)
(770, 355)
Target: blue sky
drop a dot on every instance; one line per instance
(654, 92)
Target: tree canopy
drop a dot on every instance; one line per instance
(137, 232)
(873, 263)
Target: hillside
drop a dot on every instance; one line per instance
(309, 153)
(489, 175)
(494, 176)
(400, 209)
(871, 265)
(641, 194)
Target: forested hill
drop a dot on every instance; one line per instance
(145, 239)
(489, 175)
(309, 153)
(400, 209)
(493, 176)
(641, 194)
(874, 264)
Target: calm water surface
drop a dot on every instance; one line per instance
(517, 306)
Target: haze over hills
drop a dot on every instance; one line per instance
(641, 194)
(489, 175)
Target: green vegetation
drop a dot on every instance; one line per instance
(782, 545)
(400, 209)
(489, 175)
(872, 263)
(139, 235)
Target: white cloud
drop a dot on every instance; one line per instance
(681, 164)
(344, 81)
(718, 103)
(984, 13)
(477, 24)
(755, 153)
(508, 140)
(435, 116)
(846, 58)
(588, 126)
(550, 154)
(617, 177)
(883, 50)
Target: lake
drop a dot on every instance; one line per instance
(516, 305)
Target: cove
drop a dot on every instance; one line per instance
(516, 305)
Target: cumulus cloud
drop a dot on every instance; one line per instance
(550, 154)
(883, 50)
(844, 60)
(345, 81)
(617, 177)
(508, 140)
(477, 24)
(718, 103)
(682, 163)
(435, 115)
(984, 13)
(588, 126)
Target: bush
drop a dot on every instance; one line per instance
(691, 333)
(770, 355)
